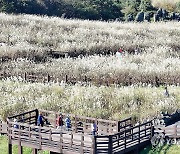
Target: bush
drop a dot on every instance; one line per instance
(140, 17)
(129, 17)
(147, 16)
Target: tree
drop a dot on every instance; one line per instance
(131, 7)
(146, 5)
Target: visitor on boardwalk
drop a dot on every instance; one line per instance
(15, 124)
(93, 128)
(40, 121)
(68, 123)
(166, 93)
(59, 121)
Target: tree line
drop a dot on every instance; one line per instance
(86, 9)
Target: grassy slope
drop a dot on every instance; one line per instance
(172, 149)
(4, 147)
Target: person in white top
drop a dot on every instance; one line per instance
(93, 128)
(119, 53)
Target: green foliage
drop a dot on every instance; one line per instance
(145, 5)
(131, 7)
(85, 9)
(178, 7)
(166, 149)
(4, 147)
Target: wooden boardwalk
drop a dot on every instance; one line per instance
(112, 136)
(170, 131)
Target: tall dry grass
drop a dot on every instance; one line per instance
(29, 36)
(169, 5)
(103, 102)
(161, 63)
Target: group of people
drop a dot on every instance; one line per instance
(60, 123)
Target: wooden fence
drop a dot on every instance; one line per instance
(45, 77)
(171, 131)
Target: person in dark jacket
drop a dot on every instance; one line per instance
(40, 120)
(59, 121)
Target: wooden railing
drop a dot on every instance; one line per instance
(79, 123)
(49, 138)
(45, 77)
(83, 124)
(125, 124)
(125, 140)
(29, 117)
(112, 136)
(3, 127)
(172, 131)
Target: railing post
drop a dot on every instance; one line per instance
(9, 147)
(139, 134)
(132, 134)
(94, 144)
(20, 150)
(55, 117)
(25, 76)
(152, 130)
(82, 144)
(9, 138)
(50, 134)
(61, 142)
(96, 122)
(40, 138)
(110, 150)
(35, 151)
(175, 130)
(117, 126)
(37, 113)
(71, 139)
(75, 123)
(125, 139)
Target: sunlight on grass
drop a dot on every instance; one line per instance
(4, 147)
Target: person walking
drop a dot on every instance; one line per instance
(59, 121)
(40, 121)
(15, 124)
(119, 53)
(68, 123)
(166, 93)
(93, 128)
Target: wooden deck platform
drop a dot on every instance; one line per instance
(113, 137)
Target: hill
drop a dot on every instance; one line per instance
(87, 9)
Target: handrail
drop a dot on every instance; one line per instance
(24, 133)
(21, 114)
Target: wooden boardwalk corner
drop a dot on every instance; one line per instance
(113, 137)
